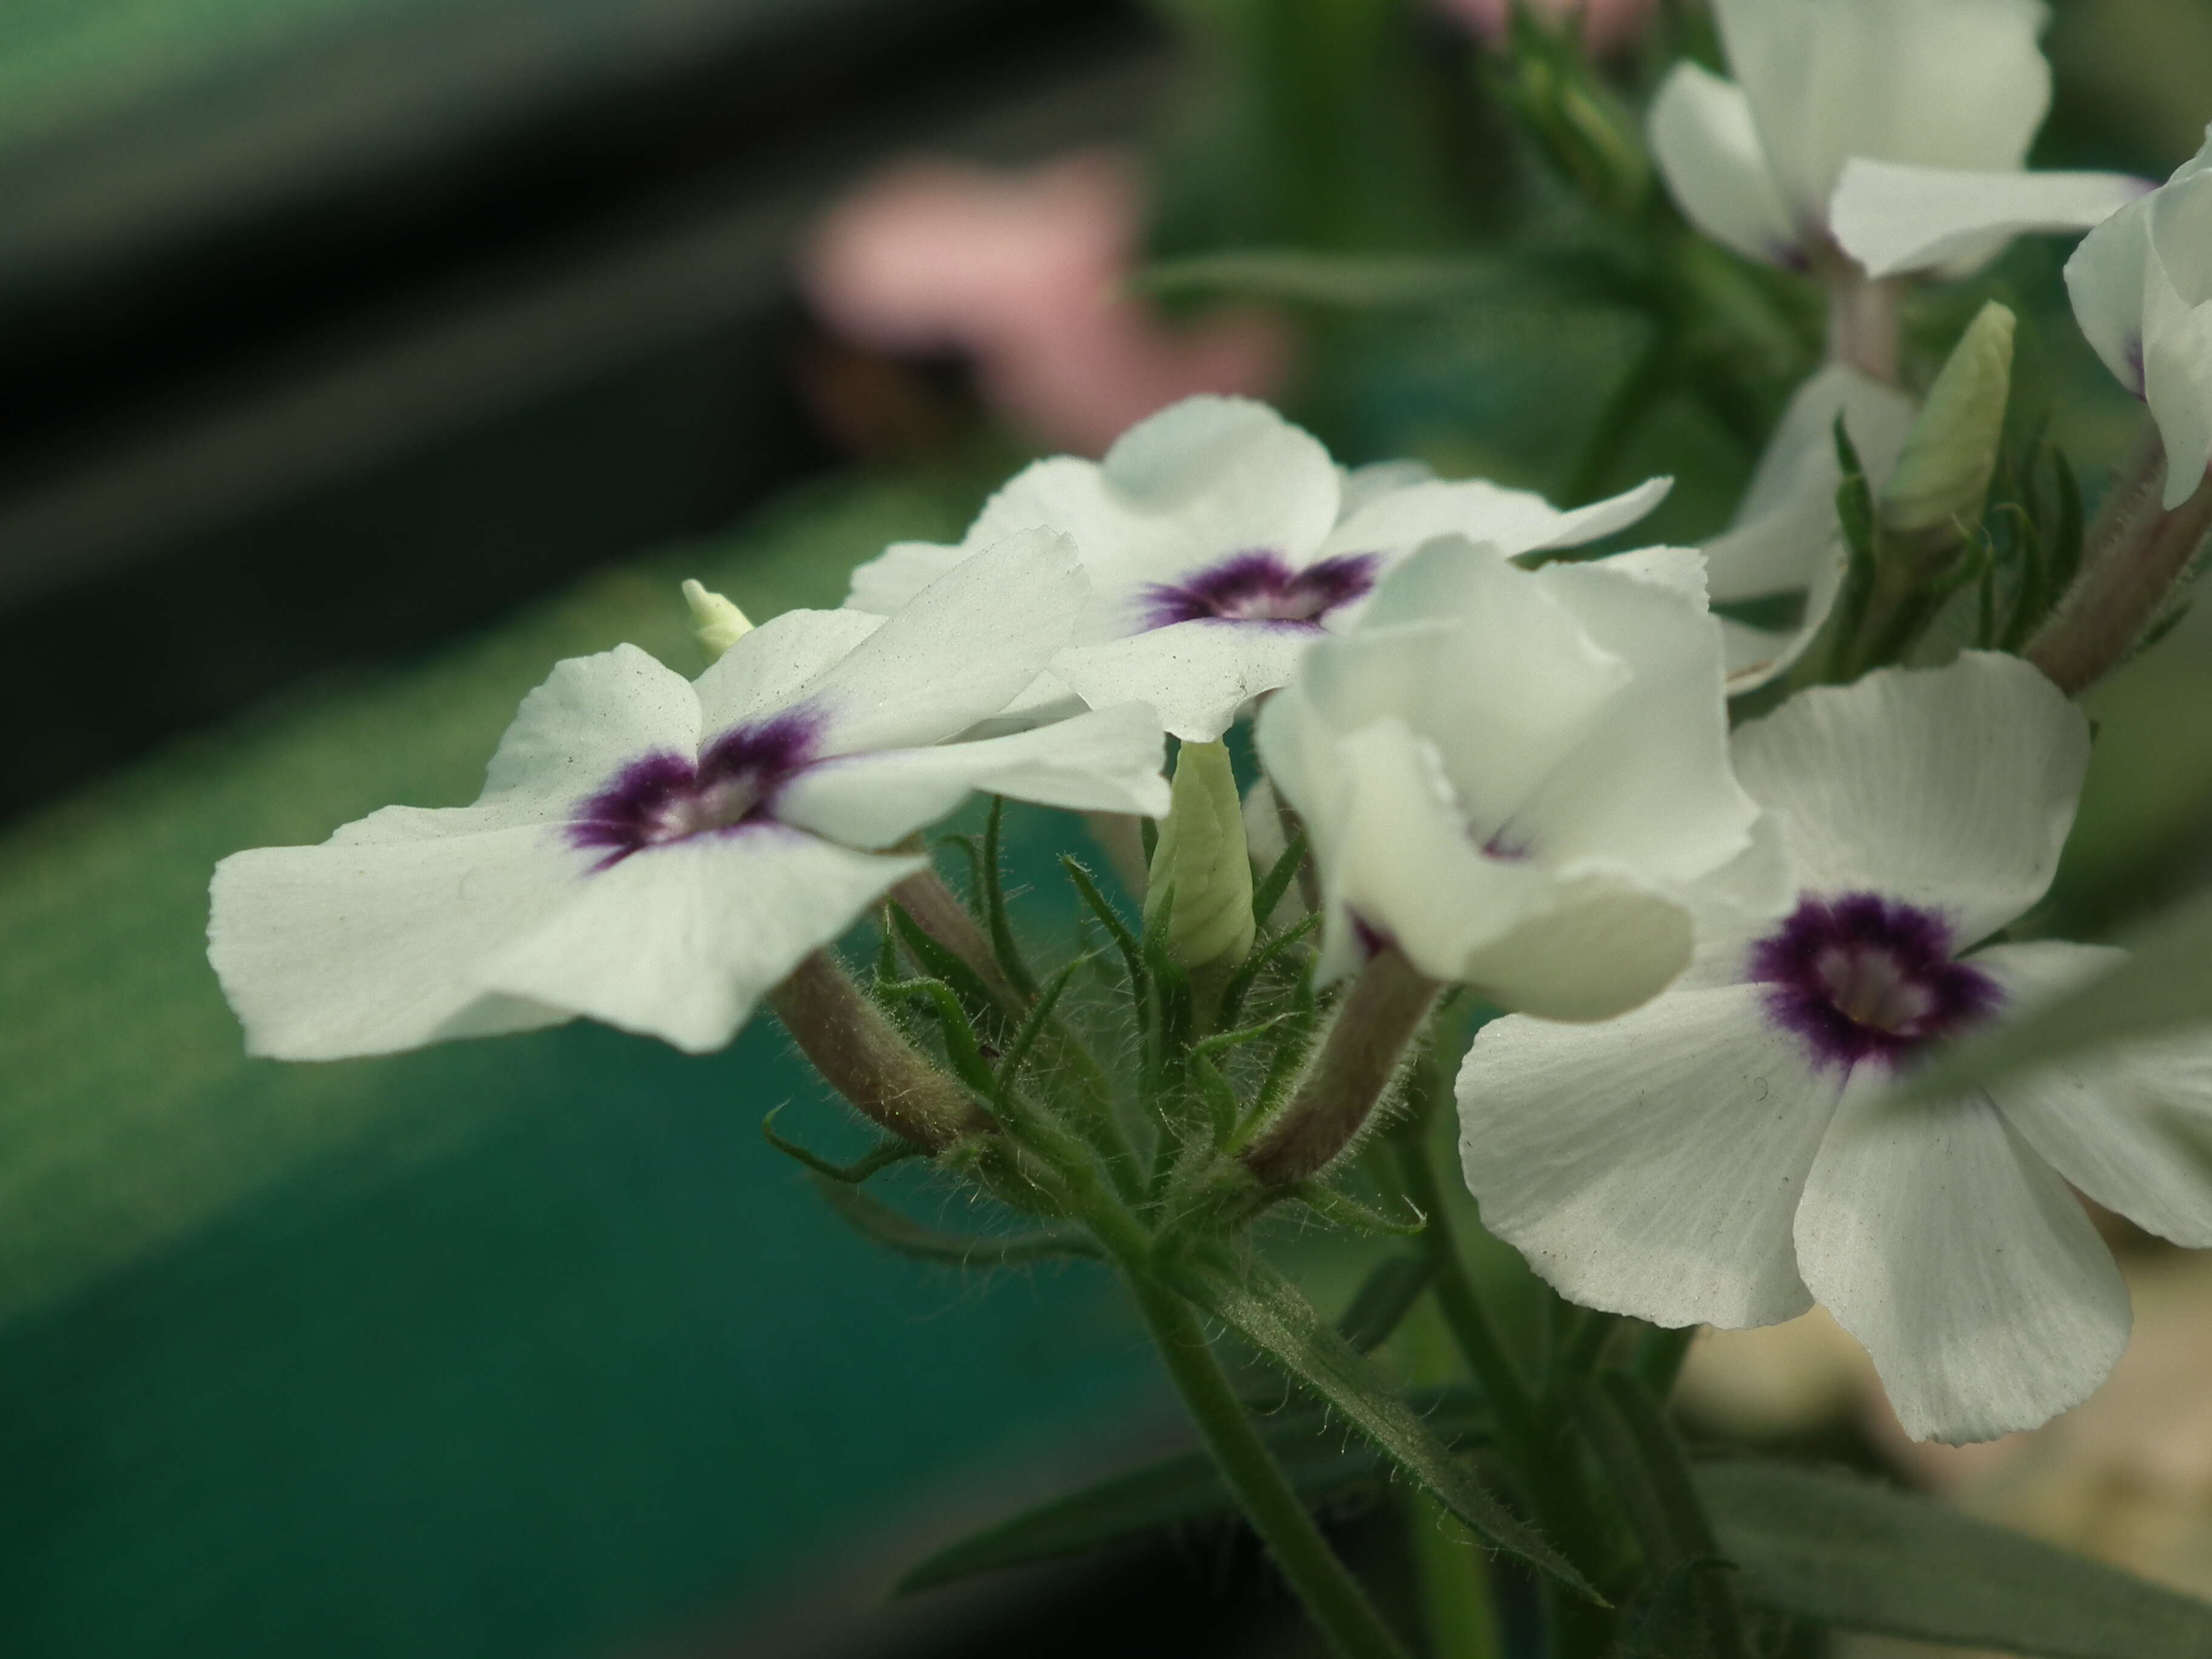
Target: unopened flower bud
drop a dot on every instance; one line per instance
(1943, 479)
(717, 622)
(1201, 855)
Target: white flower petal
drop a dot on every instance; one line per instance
(1892, 217)
(2177, 354)
(1651, 1165)
(593, 716)
(1604, 945)
(886, 582)
(2131, 1129)
(681, 941)
(1939, 1238)
(2105, 278)
(1359, 486)
(1709, 152)
(1650, 786)
(369, 945)
(1526, 682)
(1962, 84)
(1799, 459)
(1510, 520)
(1950, 788)
(774, 665)
(1106, 762)
(1200, 481)
(1197, 674)
(964, 649)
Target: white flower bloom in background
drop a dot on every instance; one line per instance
(1774, 575)
(2141, 286)
(1219, 546)
(1730, 1153)
(1520, 779)
(1957, 85)
(659, 854)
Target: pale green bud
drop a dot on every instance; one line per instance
(1201, 855)
(717, 622)
(1942, 478)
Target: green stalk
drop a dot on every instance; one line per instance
(1332, 1596)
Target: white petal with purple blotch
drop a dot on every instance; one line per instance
(1940, 1238)
(1948, 789)
(1651, 1165)
(681, 941)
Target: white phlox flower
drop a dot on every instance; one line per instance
(1774, 575)
(1221, 541)
(1732, 1152)
(658, 852)
(1956, 85)
(2141, 286)
(1520, 779)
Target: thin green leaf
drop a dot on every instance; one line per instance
(1842, 1551)
(1133, 956)
(1248, 972)
(879, 1156)
(1345, 1211)
(1002, 943)
(961, 1046)
(1277, 882)
(1328, 279)
(944, 966)
(1187, 1489)
(1658, 1357)
(1040, 1017)
(2067, 529)
(1672, 1617)
(2163, 984)
(871, 1216)
(1267, 1311)
(1384, 1300)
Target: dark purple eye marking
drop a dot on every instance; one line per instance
(1860, 977)
(662, 797)
(1261, 586)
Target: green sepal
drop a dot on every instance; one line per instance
(1004, 946)
(1841, 1551)
(1188, 1488)
(1033, 1027)
(961, 1045)
(1384, 1300)
(1248, 973)
(1267, 1311)
(1132, 955)
(945, 967)
(1277, 882)
(880, 1157)
(877, 1221)
(1333, 1205)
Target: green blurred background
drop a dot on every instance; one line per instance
(371, 355)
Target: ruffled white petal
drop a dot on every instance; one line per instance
(960, 652)
(2132, 1127)
(901, 570)
(1359, 487)
(1938, 1238)
(1962, 84)
(1510, 520)
(1951, 788)
(1197, 674)
(2105, 278)
(1651, 784)
(369, 945)
(1651, 1165)
(1106, 762)
(681, 941)
(593, 716)
(2177, 331)
(1603, 944)
(1200, 481)
(775, 664)
(1893, 218)
(1709, 152)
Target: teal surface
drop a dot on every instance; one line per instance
(525, 1346)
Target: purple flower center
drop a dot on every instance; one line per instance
(662, 797)
(1860, 977)
(1262, 587)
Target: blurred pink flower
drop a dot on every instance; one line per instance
(1607, 25)
(1020, 272)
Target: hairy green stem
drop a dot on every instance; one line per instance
(867, 1060)
(1330, 1593)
